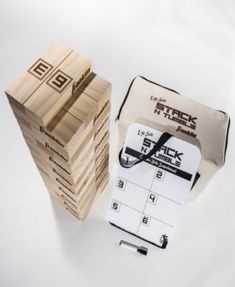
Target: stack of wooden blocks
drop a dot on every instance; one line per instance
(63, 108)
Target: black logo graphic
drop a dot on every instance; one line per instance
(163, 241)
(59, 81)
(40, 69)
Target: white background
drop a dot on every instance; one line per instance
(188, 46)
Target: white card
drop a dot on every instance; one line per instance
(148, 199)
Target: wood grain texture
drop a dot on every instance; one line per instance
(27, 83)
(50, 97)
(63, 109)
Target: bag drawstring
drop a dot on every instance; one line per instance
(161, 141)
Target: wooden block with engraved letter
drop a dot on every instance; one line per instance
(63, 108)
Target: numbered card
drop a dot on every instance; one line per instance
(148, 198)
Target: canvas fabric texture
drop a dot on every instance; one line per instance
(164, 109)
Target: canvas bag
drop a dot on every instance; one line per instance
(164, 109)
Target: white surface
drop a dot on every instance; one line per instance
(131, 207)
(186, 45)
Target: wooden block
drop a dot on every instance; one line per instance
(45, 95)
(78, 201)
(102, 166)
(61, 129)
(50, 97)
(55, 169)
(64, 192)
(52, 154)
(55, 174)
(102, 180)
(74, 179)
(102, 155)
(87, 205)
(97, 88)
(55, 161)
(102, 143)
(22, 116)
(81, 211)
(75, 190)
(102, 131)
(23, 88)
(102, 114)
(101, 186)
(63, 111)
